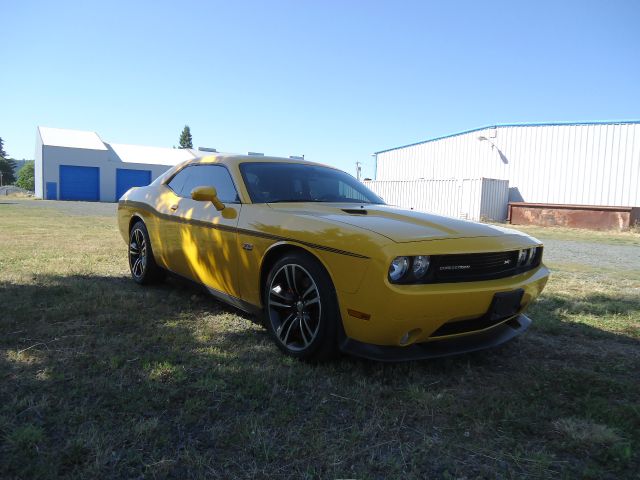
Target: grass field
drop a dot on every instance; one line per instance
(101, 378)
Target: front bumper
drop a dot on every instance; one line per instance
(493, 337)
(423, 311)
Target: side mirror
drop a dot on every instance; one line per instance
(207, 194)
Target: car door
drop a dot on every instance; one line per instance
(168, 244)
(205, 247)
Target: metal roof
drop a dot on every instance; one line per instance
(62, 137)
(503, 125)
(118, 152)
(149, 155)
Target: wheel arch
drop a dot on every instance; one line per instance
(333, 331)
(135, 218)
(276, 252)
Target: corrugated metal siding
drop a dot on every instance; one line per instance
(494, 199)
(596, 164)
(472, 199)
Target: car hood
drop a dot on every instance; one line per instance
(397, 224)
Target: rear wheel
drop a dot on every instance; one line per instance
(301, 309)
(142, 265)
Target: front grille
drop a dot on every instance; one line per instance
(456, 267)
(479, 266)
(473, 267)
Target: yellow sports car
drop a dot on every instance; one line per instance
(327, 264)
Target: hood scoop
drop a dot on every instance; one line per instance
(355, 211)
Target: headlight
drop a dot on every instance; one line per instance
(398, 268)
(420, 265)
(409, 269)
(532, 255)
(522, 257)
(526, 256)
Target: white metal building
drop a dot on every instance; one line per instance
(577, 163)
(78, 165)
(471, 198)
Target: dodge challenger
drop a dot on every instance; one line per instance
(326, 264)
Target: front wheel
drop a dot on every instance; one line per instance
(141, 262)
(301, 309)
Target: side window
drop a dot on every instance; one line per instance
(321, 188)
(209, 176)
(177, 182)
(349, 192)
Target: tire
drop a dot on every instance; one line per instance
(301, 310)
(142, 265)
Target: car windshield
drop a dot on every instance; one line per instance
(269, 182)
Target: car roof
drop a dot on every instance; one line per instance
(235, 160)
(232, 162)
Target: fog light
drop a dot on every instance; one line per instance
(410, 337)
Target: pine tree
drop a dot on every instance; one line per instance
(7, 167)
(185, 138)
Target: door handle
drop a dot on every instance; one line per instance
(174, 207)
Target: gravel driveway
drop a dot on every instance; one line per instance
(623, 257)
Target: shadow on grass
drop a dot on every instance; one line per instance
(556, 313)
(90, 360)
(104, 378)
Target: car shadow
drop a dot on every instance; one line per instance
(102, 377)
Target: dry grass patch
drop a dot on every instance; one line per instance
(585, 432)
(101, 378)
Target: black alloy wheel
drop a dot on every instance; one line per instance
(144, 269)
(301, 308)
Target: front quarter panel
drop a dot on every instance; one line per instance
(344, 252)
(153, 205)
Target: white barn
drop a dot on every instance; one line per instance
(79, 165)
(566, 163)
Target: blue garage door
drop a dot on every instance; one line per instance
(127, 178)
(79, 183)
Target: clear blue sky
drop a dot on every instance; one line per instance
(334, 80)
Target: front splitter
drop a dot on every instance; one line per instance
(439, 348)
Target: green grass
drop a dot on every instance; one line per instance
(102, 378)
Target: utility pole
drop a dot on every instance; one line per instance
(358, 170)
(0, 179)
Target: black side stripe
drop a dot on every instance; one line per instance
(241, 231)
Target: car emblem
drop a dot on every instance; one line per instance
(247, 246)
(507, 262)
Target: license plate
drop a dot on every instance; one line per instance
(505, 304)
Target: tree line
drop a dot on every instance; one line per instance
(25, 175)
